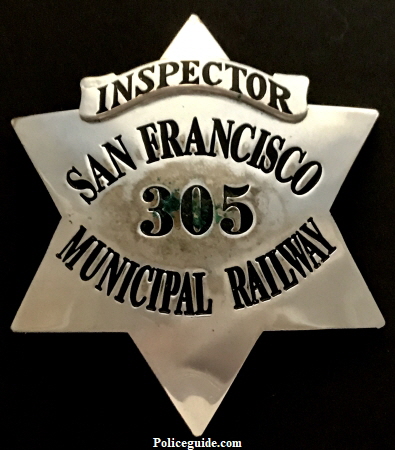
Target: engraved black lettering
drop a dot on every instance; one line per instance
(267, 273)
(253, 161)
(95, 253)
(293, 253)
(188, 71)
(256, 284)
(234, 146)
(195, 138)
(125, 91)
(301, 172)
(112, 272)
(185, 298)
(261, 86)
(207, 75)
(81, 185)
(284, 159)
(246, 217)
(311, 249)
(102, 100)
(278, 96)
(169, 139)
(199, 292)
(150, 142)
(145, 79)
(136, 284)
(197, 210)
(99, 171)
(172, 286)
(120, 297)
(277, 266)
(297, 251)
(316, 234)
(237, 281)
(164, 74)
(158, 211)
(269, 159)
(236, 77)
(74, 250)
(156, 285)
(224, 139)
(116, 154)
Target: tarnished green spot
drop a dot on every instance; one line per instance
(171, 204)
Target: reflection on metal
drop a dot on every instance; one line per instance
(194, 222)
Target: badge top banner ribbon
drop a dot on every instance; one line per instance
(194, 195)
(104, 96)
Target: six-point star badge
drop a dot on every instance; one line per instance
(195, 194)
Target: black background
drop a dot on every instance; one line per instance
(325, 389)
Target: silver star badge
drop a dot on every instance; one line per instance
(195, 196)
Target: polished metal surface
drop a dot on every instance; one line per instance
(195, 349)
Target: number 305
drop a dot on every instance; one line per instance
(197, 212)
